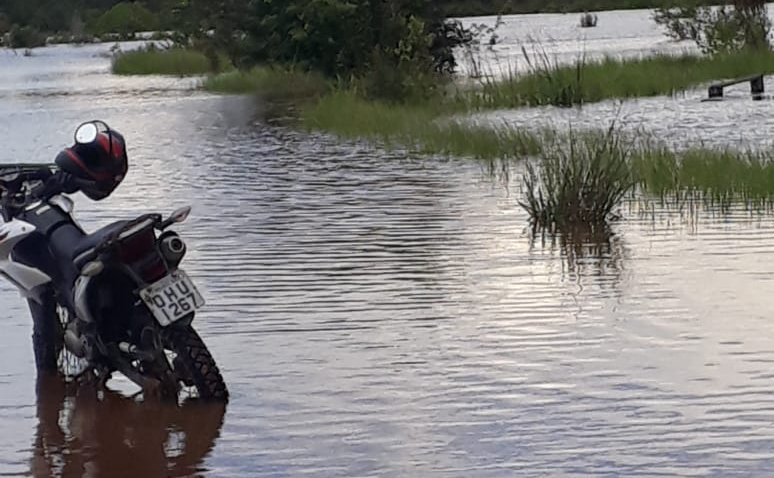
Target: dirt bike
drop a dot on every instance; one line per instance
(115, 300)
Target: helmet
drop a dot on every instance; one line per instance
(97, 161)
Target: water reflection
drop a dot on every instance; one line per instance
(587, 256)
(81, 435)
(378, 314)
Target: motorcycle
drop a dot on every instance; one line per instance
(115, 300)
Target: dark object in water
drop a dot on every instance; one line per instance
(756, 86)
(588, 20)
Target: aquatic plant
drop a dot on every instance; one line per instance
(588, 80)
(152, 60)
(718, 29)
(578, 181)
(715, 176)
(426, 128)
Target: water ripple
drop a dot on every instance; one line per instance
(379, 314)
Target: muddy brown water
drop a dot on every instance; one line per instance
(382, 314)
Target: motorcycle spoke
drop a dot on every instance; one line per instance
(186, 391)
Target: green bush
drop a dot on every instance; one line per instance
(5, 25)
(721, 29)
(154, 61)
(25, 37)
(124, 19)
(390, 48)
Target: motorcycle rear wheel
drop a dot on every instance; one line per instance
(196, 360)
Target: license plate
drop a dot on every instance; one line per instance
(172, 298)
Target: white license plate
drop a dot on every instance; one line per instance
(172, 298)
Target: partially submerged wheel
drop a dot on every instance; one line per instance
(69, 365)
(193, 363)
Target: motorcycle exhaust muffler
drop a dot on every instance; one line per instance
(172, 248)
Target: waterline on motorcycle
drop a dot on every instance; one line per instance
(115, 300)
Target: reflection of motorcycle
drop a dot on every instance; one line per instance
(79, 434)
(114, 300)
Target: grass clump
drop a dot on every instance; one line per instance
(578, 181)
(716, 176)
(548, 83)
(271, 81)
(423, 127)
(154, 61)
(572, 178)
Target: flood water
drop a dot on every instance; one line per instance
(384, 314)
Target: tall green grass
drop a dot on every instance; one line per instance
(548, 83)
(174, 61)
(655, 168)
(423, 128)
(713, 175)
(578, 181)
(572, 179)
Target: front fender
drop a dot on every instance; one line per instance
(27, 279)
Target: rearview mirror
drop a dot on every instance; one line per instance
(86, 133)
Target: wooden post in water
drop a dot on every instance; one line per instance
(756, 87)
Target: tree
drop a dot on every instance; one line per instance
(126, 18)
(723, 29)
(5, 24)
(400, 43)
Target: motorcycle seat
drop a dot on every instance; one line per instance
(83, 249)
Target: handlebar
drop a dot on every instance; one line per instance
(26, 172)
(21, 173)
(16, 192)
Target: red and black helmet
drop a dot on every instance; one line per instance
(97, 160)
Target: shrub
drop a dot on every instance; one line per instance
(721, 29)
(25, 37)
(5, 24)
(124, 19)
(155, 61)
(392, 49)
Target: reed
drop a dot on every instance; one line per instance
(711, 175)
(578, 180)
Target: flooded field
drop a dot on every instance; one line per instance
(381, 314)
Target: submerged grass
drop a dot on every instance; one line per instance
(579, 179)
(587, 163)
(575, 178)
(548, 83)
(174, 61)
(715, 176)
(423, 128)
